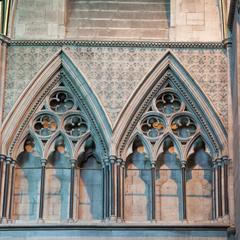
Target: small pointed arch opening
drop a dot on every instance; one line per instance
(28, 145)
(138, 183)
(89, 183)
(168, 185)
(58, 149)
(27, 177)
(138, 145)
(199, 182)
(57, 183)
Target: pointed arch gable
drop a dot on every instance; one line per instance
(32, 97)
(80, 87)
(168, 69)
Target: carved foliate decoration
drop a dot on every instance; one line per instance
(115, 70)
(25, 64)
(114, 73)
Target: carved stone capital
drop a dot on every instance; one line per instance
(8, 160)
(225, 160)
(119, 161)
(2, 157)
(73, 162)
(112, 159)
(43, 162)
(219, 162)
(183, 163)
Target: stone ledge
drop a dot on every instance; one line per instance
(116, 226)
(137, 44)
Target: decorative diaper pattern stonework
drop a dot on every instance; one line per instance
(114, 72)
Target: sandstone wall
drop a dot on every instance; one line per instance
(155, 20)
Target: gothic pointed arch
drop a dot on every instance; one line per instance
(161, 141)
(60, 82)
(170, 90)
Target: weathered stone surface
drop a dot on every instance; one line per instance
(117, 19)
(113, 234)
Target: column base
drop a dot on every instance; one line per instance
(120, 220)
(10, 221)
(4, 221)
(113, 219)
(70, 220)
(153, 221)
(40, 220)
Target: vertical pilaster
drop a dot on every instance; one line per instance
(42, 190)
(4, 41)
(103, 192)
(225, 161)
(153, 177)
(119, 193)
(214, 191)
(2, 159)
(184, 209)
(123, 187)
(71, 197)
(11, 190)
(219, 187)
(106, 184)
(6, 189)
(112, 160)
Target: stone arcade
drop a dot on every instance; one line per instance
(119, 119)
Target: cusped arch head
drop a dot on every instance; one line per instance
(80, 145)
(19, 147)
(200, 142)
(160, 145)
(142, 140)
(59, 68)
(169, 70)
(88, 151)
(58, 138)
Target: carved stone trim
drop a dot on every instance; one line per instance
(140, 44)
(4, 39)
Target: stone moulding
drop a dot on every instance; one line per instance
(95, 43)
(125, 226)
(231, 14)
